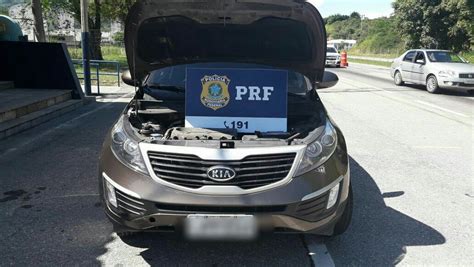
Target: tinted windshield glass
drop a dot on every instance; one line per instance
(441, 56)
(332, 50)
(176, 76)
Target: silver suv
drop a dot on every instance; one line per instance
(158, 173)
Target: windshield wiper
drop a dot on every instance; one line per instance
(172, 88)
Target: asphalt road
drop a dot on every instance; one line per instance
(412, 172)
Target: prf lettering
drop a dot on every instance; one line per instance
(253, 93)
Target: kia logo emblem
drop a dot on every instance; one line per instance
(221, 173)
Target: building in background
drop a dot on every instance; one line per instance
(59, 26)
(341, 44)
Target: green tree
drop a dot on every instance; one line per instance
(333, 18)
(348, 28)
(99, 11)
(382, 37)
(355, 15)
(73, 7)
(117, 9)
(441, 24)
(3, 10)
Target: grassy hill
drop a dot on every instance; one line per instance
(375, 37)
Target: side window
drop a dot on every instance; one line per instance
(420, 57)
(409, 57)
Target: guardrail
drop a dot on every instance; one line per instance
(97, 65)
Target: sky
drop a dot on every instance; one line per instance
(368, 8)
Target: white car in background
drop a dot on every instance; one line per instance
(436, 69)
(333, 58)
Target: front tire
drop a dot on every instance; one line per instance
(398, 79)
(346, 218)
(432, 85)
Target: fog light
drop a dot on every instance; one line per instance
(110, 194)
(333, 194)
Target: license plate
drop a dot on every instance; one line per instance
(219, 227)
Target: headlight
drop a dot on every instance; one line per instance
(126, 149)
(447, 73)
(319, 151)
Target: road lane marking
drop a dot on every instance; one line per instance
(387, 78)
(437, 147)
(415, 103)
(318, 252)
(441, 108)
(108, 102)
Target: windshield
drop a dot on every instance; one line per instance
(174, 78)
(331, 50)
(445, 57)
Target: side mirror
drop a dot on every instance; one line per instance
(420, 61)
(127, 78)
(329, 80)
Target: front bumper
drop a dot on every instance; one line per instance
(297, 206)
(456, 83)
(333, 62)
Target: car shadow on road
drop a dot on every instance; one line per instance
(443, 91)
(164, 249)
(378, 235)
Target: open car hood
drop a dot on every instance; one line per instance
(287, 34)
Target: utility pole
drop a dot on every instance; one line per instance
(85, 46)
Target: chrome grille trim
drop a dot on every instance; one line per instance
(129, 204)
(466, 75)
(251, 172)
(217, 156)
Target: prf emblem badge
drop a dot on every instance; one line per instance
(215, 91)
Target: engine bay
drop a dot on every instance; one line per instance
(163, 121)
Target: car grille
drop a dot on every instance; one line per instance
(129, 204)
(191, 171)
(466, 75)
(331, 58)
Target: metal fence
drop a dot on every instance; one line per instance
(97, 64)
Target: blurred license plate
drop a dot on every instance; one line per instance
(202, 226)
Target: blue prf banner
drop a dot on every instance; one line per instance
(247, 100)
